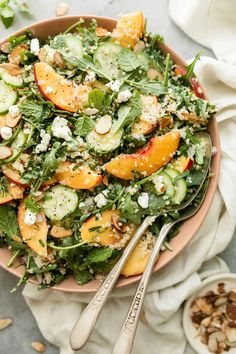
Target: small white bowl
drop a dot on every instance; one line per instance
(209, 284)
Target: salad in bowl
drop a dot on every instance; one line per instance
(98, 130)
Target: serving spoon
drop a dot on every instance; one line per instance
(84, 326)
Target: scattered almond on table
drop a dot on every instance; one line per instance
(4, 323)
(38, 347)
(62, 9)
(214, 316)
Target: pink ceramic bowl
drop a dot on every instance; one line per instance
(52, 27)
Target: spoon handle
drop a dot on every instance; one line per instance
(125, 340)
(84, 326)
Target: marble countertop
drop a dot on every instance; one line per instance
(18, 337)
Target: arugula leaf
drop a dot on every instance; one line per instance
(166, 74)
(7, 16)
(149, 87)
(35, 113)
(96, 99)
(130, 209)
(155, 203)
(128, 60)
(83, 126)
(127, 113)
(191, 66)
(32, 205)
(194, 178)
(99, 254)
(82, 276)
(86, 64)
(8, 220)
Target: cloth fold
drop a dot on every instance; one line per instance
(161, 327)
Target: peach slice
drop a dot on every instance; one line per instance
(137, 261)
(182, 164)
(148, 120)
(101, 230)
(129, 29)
(79, 178)
(15, 57)
(34, 235)
(13, 175)
(157, 153)
(65, 94)
(13, 192)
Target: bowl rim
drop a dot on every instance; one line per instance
(192, 225)
(214, 280)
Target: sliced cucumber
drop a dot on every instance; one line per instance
(170, 189)
(17, 146)
(8, 97)
(59, 202)
(69, 45)
(179, 185)
(106, 58)
(104, 143)
(14, 81)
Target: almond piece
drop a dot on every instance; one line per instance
(59, 231)
(232, 295)
(102, 32)
(152, 74)
(5, 152)
(115, 222)
(4, 323)
(38, 346)
(13, 121)
(12, 69)
(62, 9)
(231, 311)
(103, 125)
(139, 46)
(58, 59)
(6, 48)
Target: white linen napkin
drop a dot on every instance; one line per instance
(57, 312)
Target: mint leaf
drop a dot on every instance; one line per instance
(83, 126)
(128, 60)
(8, 221)
(99, 255)
(7, 15)
(35, 113)
(82, 276)
(32, 205)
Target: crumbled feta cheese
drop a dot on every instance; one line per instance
(43, 145)
(159, 183)
(124, 96)
(90, 77)
(14, 110)
(49, 90)
(6, 133)
(114, 85)
(91, 111)
(143, 200)
(101, 199)
(87, 203)
(34, 46)
(191, 151)
(60, 129)
(132, 190)
(30, 217)
(183, 133)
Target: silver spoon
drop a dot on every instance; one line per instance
(84, 326)
(124, 343)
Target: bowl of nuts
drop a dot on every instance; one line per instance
(209, 317)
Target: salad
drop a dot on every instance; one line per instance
(98, 130)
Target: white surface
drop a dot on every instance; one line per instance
(178, 280)
(209, 284)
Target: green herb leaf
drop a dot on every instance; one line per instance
(96, 99)
(99, 254)
(83, 126)
(35, 113)
(86, 64)
(82, 276)
(3, 186)
(32, 205)
(148, 87)
(166, 74)
(8, 220)
(128, 60)
(190, 67)
(7, 16)
(130, 209)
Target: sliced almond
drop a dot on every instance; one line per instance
(105, 180)
(12, 69)
(165, 121)
(62, 9)
(42, 54)
(13, 121)
(102, 32)
(38, 346)
(4, 323)
(59, 231)
(231, 311)
(103, 125)
(5, 152)
(117, 225)
(6, 48)
(139, 46)
(58, 59)
(152, 74)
